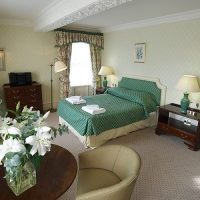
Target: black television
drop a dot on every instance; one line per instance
(20, 78)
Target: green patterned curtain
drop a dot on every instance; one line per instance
(64, 40)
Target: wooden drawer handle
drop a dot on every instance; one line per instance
(33, 95)
(165, 128)
(184, 136)
(16, 97)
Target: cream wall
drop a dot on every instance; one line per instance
(171, 51)
(29, 51)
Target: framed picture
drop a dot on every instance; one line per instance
(139, 52)
(2, 59)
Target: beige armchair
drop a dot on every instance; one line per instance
(107, 173)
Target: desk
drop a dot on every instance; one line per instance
(171, 121)
(57, 173)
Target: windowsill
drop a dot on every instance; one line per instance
(80, 85)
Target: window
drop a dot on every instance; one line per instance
(81, 67)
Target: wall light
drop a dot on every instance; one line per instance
(2, 59)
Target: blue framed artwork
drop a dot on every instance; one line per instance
(139, 52)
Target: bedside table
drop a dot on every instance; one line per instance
(185, 126)
(100, 90)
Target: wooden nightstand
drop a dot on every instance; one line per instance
(185, 126)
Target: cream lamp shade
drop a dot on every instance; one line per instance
(59, 66)
(104, 71)
(187, 83)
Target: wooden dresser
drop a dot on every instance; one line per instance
(30, 95)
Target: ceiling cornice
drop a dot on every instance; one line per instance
(47, 21)
(189, 15)
(16, 22)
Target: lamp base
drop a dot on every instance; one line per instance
(185, 102)
(105, 82)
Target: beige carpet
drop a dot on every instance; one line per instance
(169, 170)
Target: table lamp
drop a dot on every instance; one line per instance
(195, 98)
(58, 67)
(187, 83)
(104, 71)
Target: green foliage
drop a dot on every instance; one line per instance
(3, 110)
(36, 160)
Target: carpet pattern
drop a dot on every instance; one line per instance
(170, 171)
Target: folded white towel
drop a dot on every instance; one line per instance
(75, 97)
(93, 109)
(75, 100)
(93, 106)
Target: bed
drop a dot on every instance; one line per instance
(129, 107)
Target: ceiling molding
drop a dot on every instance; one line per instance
(46, 21)
(189, 15)
(82, 28)
(15, 22)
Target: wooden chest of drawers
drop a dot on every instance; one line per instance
(30, 95)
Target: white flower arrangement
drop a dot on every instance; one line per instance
(25, 137)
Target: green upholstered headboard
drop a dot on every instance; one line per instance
(152, 86)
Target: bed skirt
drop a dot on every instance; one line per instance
(95, 141)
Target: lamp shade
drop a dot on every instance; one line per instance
(188, 83)
(195, 97)
(105, 71)
(59, 66)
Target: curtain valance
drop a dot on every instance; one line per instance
(65, 37)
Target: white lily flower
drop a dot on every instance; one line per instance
(6, 121)
(2, 153)
(38, 113)
(46, 115)
(30, 109)
(41, 142)
(3, 130)
(11, 145)
(14, 121)
(25, 109)
(14, 131)
(4, 125)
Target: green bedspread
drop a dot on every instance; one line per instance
(119, 112)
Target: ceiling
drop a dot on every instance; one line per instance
(103, 15)
(22, 9)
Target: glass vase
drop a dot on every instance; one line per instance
(24, 178)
